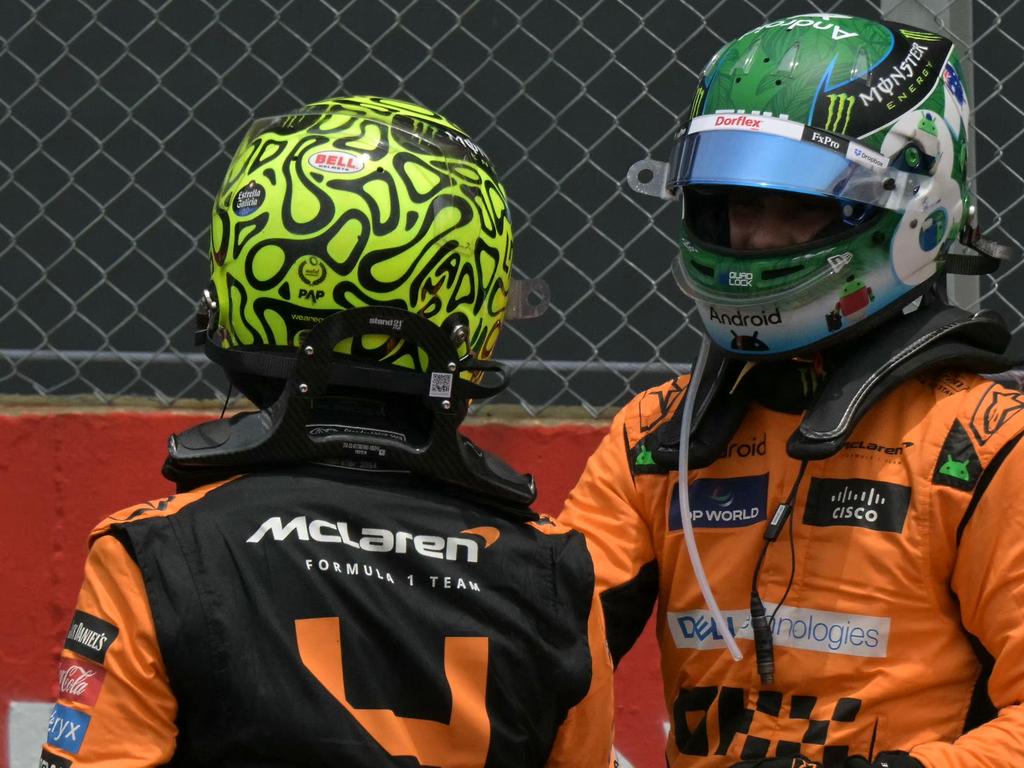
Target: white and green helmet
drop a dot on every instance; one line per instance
(871, 114)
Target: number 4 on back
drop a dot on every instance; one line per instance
(463, 741)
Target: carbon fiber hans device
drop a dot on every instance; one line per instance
(280, 433)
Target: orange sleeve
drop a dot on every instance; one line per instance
(585, 738)
(608, 509)
(115, 706)
(988, 580)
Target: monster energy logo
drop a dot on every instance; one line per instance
(840, 110)
(296, 122)
(423, 128)
(698, 99)
(913, 34)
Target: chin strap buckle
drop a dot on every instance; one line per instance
(206, 318)
(987, 254)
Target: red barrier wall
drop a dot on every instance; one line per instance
(62, 472)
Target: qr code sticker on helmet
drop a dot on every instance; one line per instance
(441, 384)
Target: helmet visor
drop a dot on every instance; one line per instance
(771, 153)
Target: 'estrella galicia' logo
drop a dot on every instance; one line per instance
(249, 198)
(730, 502)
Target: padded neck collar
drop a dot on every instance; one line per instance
(934, 337)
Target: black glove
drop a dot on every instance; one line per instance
(884, 760)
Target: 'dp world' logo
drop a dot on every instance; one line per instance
(729, 502)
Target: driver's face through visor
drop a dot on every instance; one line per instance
(757, 184)
(755, 219)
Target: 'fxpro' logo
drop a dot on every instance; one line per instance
(848, 634)
(730, 502)
(857, 503)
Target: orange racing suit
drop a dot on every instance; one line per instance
(908, 576)
(311, 616)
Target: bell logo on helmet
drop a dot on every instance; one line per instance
(336, 161)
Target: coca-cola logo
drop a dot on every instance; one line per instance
(79, 680)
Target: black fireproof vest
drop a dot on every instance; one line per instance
(392, 566)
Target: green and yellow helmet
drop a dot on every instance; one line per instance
(872, 115)
(355, 202)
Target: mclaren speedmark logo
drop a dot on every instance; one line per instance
(465, 547)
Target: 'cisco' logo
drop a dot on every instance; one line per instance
(859, 503)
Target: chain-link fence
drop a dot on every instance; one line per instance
(119, 117)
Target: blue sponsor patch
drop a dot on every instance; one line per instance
(728, 502)
(67, 728)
